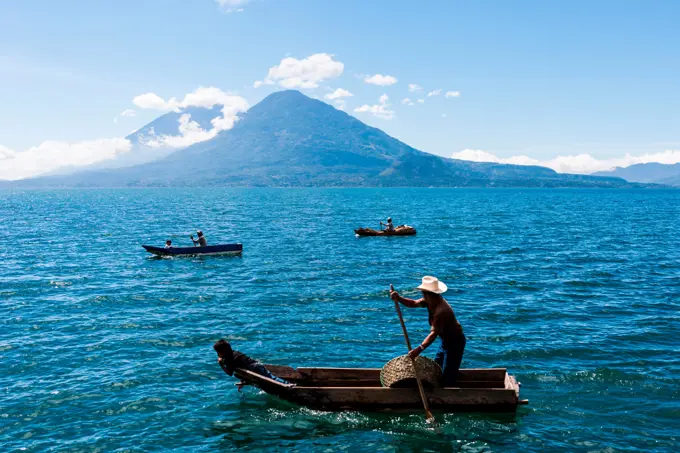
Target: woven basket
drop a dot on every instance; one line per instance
(398, 373)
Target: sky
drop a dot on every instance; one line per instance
(579, 86)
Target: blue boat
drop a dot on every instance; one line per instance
(223, 249)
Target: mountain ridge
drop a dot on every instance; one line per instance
(651, 172)
(291, 140)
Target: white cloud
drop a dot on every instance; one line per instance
(150, 101)
(206, 97)
(305, 73)
(339, 93)
(436, 92)
(579, 164)
(52, 155)
(407, 101)
(209, 97)
(413, 88)
(421, 101)
(190, 131)
(232, 6)
(452, 94)
(380, 110)
(6, 153)
(381, 80)
(128, 113)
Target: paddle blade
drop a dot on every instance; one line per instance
(429, 418)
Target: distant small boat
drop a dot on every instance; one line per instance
(401, 230)
(338, 389)
(223, 249)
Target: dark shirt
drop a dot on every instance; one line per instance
(243, 361)
(444, 322)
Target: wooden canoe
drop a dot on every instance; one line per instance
(338, 389)
(402, 230)
(224, 249)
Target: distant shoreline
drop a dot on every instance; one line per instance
(640, 187)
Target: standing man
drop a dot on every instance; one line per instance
(443, 324)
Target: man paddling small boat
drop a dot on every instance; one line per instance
(201, 241)
(389, 226)
(401, 230)
(443, 324)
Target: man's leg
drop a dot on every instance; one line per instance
(261, 370)
(440, 357)
(454, 357)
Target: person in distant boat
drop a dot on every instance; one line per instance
(388, 225)
(230, 360)
(443, 324)
(168, 244)
(201, 239)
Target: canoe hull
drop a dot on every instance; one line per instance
(400, 231)
(340, 389)
(210, 250)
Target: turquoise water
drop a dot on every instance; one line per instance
(103, 348)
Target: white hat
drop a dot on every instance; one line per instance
(432, 285)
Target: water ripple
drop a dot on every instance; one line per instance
(103, 348)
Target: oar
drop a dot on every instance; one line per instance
(428, 414)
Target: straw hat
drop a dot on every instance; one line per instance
(433, 285)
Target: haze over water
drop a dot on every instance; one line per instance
(103, 348)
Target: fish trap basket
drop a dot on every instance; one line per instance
(398, 373)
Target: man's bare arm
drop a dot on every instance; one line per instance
(415, 352)
(411, 303)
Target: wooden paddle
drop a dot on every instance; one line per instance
(428, 414)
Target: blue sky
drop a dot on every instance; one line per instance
(540, 79)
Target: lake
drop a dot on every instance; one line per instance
(104, 348)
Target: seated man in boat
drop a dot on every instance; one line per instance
(388, 225)
(168, 244)
(443, 324)
(230, 360)
(201, 239)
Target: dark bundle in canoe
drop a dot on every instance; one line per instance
(401, 230)
(337, 389)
